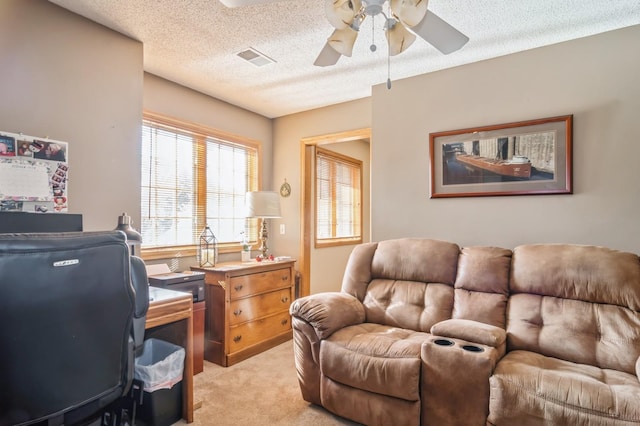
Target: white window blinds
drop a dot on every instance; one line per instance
(190, 179)
(338, 198)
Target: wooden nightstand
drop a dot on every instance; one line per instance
(247, 308)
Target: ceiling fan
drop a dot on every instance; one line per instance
(404, 20)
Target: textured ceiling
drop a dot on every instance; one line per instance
(194, 43)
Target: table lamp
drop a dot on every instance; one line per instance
(133, 237)
(264, 205)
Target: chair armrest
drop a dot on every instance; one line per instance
(140, 284)
(471, 331)
(328, 312)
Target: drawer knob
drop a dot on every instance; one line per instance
(237, 338)
(285, 277)
(285, 299)
(284, 322)
(238, 287)
(237, 312)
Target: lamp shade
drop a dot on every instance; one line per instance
(265, 204)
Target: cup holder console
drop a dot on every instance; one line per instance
(468, 348)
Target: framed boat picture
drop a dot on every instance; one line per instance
(522, 158)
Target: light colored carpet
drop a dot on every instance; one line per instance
(262, 390)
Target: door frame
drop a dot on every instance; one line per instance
(307, 150)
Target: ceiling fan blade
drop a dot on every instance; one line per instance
(240, 3)
(440, 34)
(327, 57)
(341, 13)
(399, 38)
(409, 12)
(342, 41)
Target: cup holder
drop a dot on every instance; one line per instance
(443, 342)
(472, 348)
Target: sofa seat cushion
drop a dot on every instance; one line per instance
(527, 387)
(375, 358)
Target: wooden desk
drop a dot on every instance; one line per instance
(170, 318)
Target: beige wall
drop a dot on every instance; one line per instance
(595, 79)
(70, 79)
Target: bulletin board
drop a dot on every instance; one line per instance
(33, 173)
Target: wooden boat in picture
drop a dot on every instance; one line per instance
(518, 166)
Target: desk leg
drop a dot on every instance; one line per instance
(187, 378)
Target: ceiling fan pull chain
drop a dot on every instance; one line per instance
(388, 65)
(373, 46)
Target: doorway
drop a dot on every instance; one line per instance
(318, 257)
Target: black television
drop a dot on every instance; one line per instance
(24, 222)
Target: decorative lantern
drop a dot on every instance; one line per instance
(208, 249)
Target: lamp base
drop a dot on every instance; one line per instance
(264, 236)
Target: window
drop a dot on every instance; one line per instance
(193, 176)
(338, 199)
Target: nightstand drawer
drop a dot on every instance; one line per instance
(250, 333)
(246, 285)
(250, 308)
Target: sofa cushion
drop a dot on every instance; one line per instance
(482, 285)
(577, 303)
(588, 273)
(375, 358)
(416, 259)
(527, 387)
(408, 304)
(605, 336)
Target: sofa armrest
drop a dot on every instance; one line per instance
(471, 331)
(328, 312)
(638, 368)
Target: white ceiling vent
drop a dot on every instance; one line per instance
(255, 57)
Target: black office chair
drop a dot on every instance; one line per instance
(72, 316)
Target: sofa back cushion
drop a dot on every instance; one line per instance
(405, 282)
(577, 303)
(482, 285)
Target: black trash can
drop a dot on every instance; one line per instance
(160, 367)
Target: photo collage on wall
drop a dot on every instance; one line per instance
(33, 173)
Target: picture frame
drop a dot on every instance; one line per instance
(521, 158)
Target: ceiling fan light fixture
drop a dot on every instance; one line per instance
(341, 13)
(342, 41)
(409, 12)
(357, 21)
(398, 37)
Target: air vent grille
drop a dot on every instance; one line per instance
(256, 58)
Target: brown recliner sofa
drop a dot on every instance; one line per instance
(425, 332)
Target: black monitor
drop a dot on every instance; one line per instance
(23, 222)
